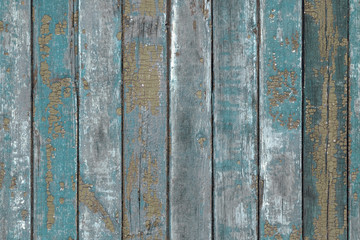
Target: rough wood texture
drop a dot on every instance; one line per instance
(235, 119)
(99, 67)
(190, 120)
(55, 151)
(325, 126)
(145, 119)
(354, 134)
(280, 119)
(15, 108)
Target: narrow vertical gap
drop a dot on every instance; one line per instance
(75, 56)
(348, 125)
(32, 86)
(168, 57)
(122, 119)
(302, 114)
(258, 20)
(212, 124)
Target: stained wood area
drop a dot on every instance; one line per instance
(180, 119)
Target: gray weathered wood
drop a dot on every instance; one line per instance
(145, 119)
(280, 119)
(15, 119)
(235, 119)
(190, 120)
(99, 66)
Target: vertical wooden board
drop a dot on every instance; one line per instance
(354, 134)
(100, 148)
(325, 129)
(55, 107)
(235, 119)
(190, 120)
(15, 122)
(145, 119)
(280, 119)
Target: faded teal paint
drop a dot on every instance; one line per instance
(99, 66)
(145, 119)
(190, 120)
(55, 151)
(235, 119)
(354, 134)
(280, 109)
(15, 119)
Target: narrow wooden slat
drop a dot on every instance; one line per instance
(145, 119)
(325, 126)
(55, 107)
(280, 119)
(99, 66)
(15, 119)
(235, 119)
(354, 134)
(190, 120)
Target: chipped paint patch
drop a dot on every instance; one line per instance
(1, 26)
(2, 174)
(142, 76)
(282, 89)
(144, 8)
(60, 28)
(24, 214)
(6, 123)
(87, 197)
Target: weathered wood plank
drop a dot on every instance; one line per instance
(190, 120)
(145, 119)
(99, 66)
(15, 119)
(354, 134)
(280, 119)
(55, 107)
(325, 129)
(235, 119)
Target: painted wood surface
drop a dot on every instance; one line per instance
(354, 114)
(280, 120)
(181, 119)
(98, 25)
(55, 106)
(325, 121)
(235, 119)
(15, 119)
(190, 121)
(145, 119)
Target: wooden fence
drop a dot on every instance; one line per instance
(180, 119)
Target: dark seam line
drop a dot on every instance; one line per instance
(75, 57)
(348, 127)
(32, 120)
(258, 19)
(122, 119)
(212, 123)
(302, 116)
(168, 56)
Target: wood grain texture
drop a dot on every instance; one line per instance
(100, 144)
(354, 134)
(325, 129)
(15, 119)
(235, 119)
(280, 119)
(190, 120)
(55, 106)
(145, 119)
